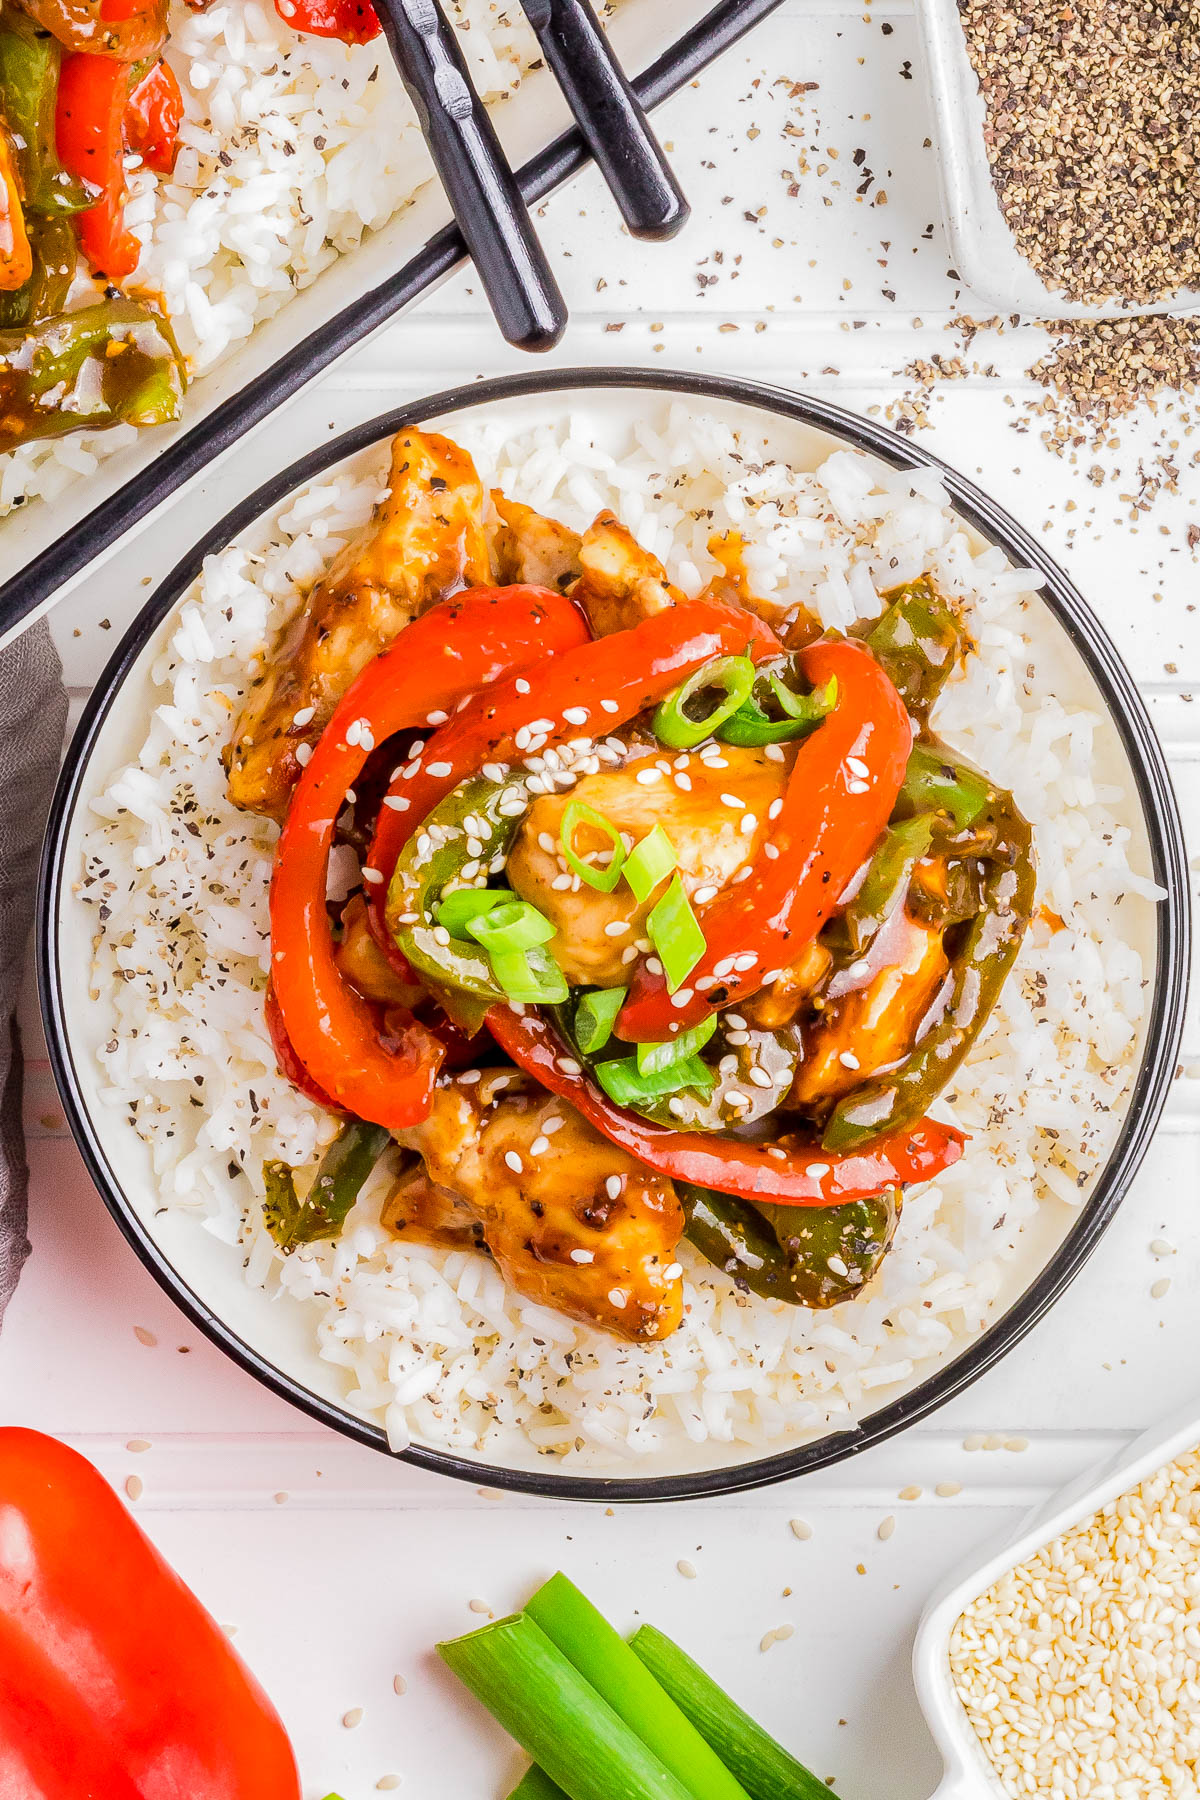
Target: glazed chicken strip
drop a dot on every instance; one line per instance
(572, 1221)
(425, 541)
(526, 546)
(593, 930)
(621, 583)
(876, 1022)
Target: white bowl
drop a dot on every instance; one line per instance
(273, 1339)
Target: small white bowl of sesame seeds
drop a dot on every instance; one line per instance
(1068, 1663)
(1063, 170)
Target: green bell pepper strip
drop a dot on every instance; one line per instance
(813, 1256)
(52, 242)
(114, 363)
(917, 640)
(29, 65)
(978, 971)
(459, 972)
(936, 780)
(323, 1211)
(886, 881)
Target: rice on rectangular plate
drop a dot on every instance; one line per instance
(291, 149)
(432, 1343)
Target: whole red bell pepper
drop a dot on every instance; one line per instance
(153, 117)
(354, 21)
(838, 799)
(362, 1062)
(796, 1171)
(115, 1684)
(93, 97)
(603, 684)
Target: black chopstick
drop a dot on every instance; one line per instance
(475, 173)
(608, 113)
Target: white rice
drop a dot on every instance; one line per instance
(292, 148)
(432, 1343)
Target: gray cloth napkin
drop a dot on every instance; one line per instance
(33, 716)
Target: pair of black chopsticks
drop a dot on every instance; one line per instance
(476, 175)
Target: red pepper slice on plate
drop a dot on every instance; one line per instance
(153, 117)
(354, 21)
(285, 1054)
(127, 31)
(794, 1172)
(93, 96)
(459, 646)
(114, 1681)
(604, 683)
(838, 799)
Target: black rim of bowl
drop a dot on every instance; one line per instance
(1155, 1071)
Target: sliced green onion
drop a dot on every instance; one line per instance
(654, 1059)
(650, 862)
(751, 726)
(514, 926)
(457, 910)
(541, 1699)
(535, 1784)
(575, 814)
(764, 1768)
(623, 1082)
(675, 933)
(531, 977)
(602, 1657)
(595, 1017)
(680, 729)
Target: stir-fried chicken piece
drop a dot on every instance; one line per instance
(621, 584)
(527, 546)
(875, 1023)
(425, 541)
(364, 964)
(593, 930)
(573, 1222)
(777, 1006)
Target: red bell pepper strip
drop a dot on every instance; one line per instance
(114, 1681)
(630, 670)
(354, 21)
(153, 118)
(93, 95)
(838, 799)
(456, 648)
(285, 1054)
(796, 1171)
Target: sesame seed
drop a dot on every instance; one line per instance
(583, 1256)
(672, 1272)
(817, 1171)
(801, 1529)
(886, 1528)
(550, 1126)
(732, 800)
(759, 1077)
(440, 935)
(746, 961)
(399, 1685)
(857, 766)
(134, 1486)
(609, 706)
(567, 1064)
(539, 1146)
(683, 782)
(617, 1297)
(438, 717)
(648, 777)
(748, 825)
(653, 966)
(616, 928)
(352, 1718)
(396, 802)
(514, 1162)
(946, 1490)
(848, 1059)
(857, 787)
(775, 808)
(911, 1493)
(681, 998)
(575, 715)
(305, 716)
(521, 685)
(613, 1186)
(686, 1569)
(303, 754)
(371, 875)
(773, 752)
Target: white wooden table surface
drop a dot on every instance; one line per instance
(339, 1569)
